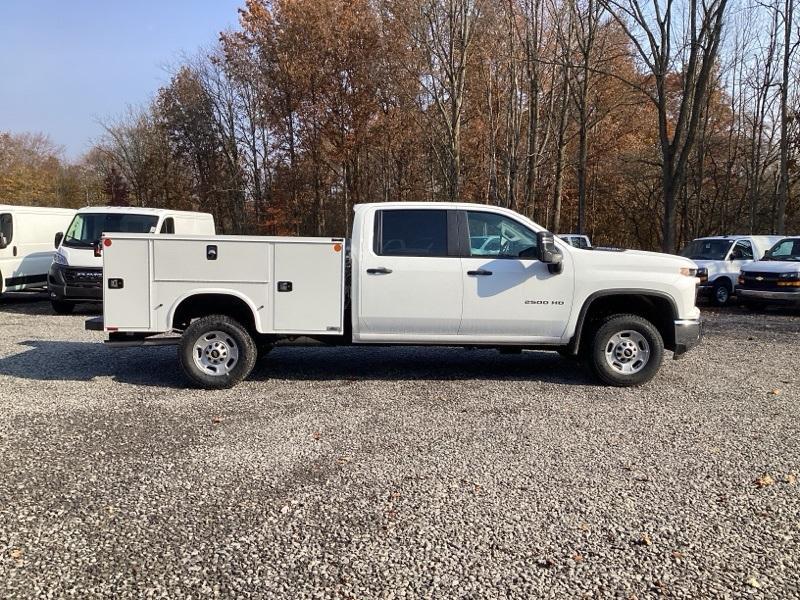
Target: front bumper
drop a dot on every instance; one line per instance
(74, 284)
(787, 297)
(688, 333)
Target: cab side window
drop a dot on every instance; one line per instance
(743, 250)
(495, 236)
(7, 227)
(411, 232)
(168, 226)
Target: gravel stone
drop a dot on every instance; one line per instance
(397, 472)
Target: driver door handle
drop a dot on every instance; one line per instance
(379, 270)
(479, 272)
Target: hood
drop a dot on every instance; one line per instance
(79, 257)
(772, 266)
(634, 260)
(712, 266)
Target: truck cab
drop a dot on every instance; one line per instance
(451, 274)
(720, 259)
(76, 270)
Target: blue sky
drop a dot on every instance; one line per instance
(64, 64)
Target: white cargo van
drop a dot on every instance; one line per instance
(720, 258)
(414, 273)
(26, 244)
(775, 279)
(77, 270)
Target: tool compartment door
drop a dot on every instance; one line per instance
(308, 288)
(126, 284)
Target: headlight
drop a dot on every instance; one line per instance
(702, 272)
(689, 271)
(60, 259)
(789, 276)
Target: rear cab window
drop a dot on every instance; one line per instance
(411, 232)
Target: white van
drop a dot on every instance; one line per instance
(76, 274)
(26, 244)
(720, 258)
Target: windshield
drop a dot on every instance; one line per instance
(87, 228)
(788, 249)
(707, 249)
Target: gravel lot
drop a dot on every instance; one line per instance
(397, 472)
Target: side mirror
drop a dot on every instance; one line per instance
(3, 242)
(58, 238)
(548, 253)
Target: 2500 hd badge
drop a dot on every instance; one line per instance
(554, 302)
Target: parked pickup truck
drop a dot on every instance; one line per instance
(415, 273)
(775, 279)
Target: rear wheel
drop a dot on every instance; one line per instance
(627, 350)
(721, 292)
(216, 352)
(62, 307)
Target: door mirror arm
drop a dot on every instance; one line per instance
(3, 242)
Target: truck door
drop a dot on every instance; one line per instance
(410, 284)
(508, 293)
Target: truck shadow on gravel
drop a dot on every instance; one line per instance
(37, 303)
(83, 361)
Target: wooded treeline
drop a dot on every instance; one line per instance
(643, 123)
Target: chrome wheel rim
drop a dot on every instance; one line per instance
(216, 353)
(722, 294)
(627, 352)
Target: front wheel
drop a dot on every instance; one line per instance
(627, 350)
(216, 352)
(721, 293)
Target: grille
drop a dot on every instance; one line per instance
(90, 277)
(761, 281)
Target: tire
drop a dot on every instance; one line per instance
(618, 343)
(721, 292)
(216, 352)
(62, 307)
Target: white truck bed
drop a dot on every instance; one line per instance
(298, 287)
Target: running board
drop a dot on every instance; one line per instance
(165, 341)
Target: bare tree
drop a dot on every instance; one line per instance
(444, 32)
(586, 21)
(665, 43)
(789, 47)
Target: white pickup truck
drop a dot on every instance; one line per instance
(413, 273)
